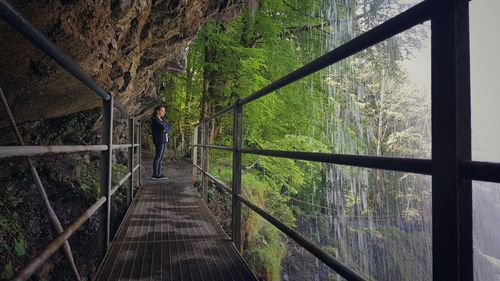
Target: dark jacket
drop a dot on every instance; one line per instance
(159, 129)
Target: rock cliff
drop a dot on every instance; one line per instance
(123, 44)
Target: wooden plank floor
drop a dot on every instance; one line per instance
(169, 234)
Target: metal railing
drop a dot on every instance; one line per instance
(451, 167)
(18, 22)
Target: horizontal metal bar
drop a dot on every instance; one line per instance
(120, 183)
(480, 171)
(411, 165)
(135, 168)
(198, 167)
(17, 21)
(27, 271)
(121, 108)
(215, 147)
(121, 146)
(215, 115)
(406, 20)
(45, 150)
(219, 183)
(340, 268)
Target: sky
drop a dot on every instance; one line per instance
(485, 77)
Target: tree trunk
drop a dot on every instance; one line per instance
(379, 181)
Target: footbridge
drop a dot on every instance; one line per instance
(168, 232)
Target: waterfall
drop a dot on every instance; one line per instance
(376, 222)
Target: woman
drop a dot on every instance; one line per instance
(159, 130)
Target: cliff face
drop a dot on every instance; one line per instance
(123, 44)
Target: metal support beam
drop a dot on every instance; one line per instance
(206, 163)
(236, 186)
(28, 270)
(451, 196)
(139, 154)
(54, 220)
(412, 165)
(194, 155)
(106, 164)
(120, 183)
(121, 146)
(130, 190)
(46, 150)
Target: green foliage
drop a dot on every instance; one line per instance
(20, 247)
(118, 171)
(363, 105)
(91, 190)
(7, 271)
(13, 243)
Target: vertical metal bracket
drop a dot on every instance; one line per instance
(106, 165)
(194, 155)
(452, 255)
(236, 185)
(131, 150)
(206, 163)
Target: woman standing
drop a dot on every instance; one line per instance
(159, 130)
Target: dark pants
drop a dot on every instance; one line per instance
(160, 150)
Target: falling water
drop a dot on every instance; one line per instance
(376, 222)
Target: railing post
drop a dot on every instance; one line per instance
(139, 139)
(236, 185)
(205, 162)
(107, 139)
(194, 155)
(452, 238)
(131, 129)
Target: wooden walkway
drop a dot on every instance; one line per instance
(169, 234)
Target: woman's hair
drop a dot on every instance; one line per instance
(157, 108)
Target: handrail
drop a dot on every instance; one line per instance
(219, 183)
(468, 169)
(221, 147)
(135, 168)
(340, 268)
(198, 167)
(217, 114)
(215, 180)
(406, 20)
(46, 150)
(18, 22)
(413, 165)
(29, 269)
(121, 146)
(480, 171)
(120, 183)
